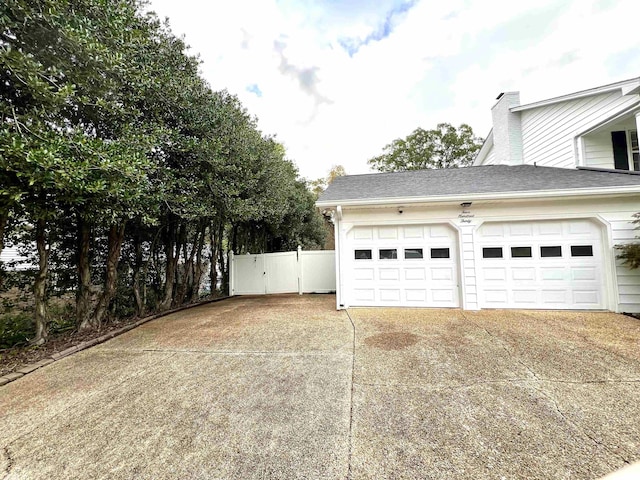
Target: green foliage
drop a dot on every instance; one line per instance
(443, 147)
(106, 122)
(630, 253)
(16, 328)
(319, 185)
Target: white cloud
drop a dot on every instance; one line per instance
(442, 61)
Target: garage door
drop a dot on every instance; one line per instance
(405, 265)
(555, 265)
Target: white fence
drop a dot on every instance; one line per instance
(286, 272)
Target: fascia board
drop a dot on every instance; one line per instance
(535, 194)
(573, 96)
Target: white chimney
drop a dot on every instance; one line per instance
(507, 130)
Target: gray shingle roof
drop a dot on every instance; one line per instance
(484, 179)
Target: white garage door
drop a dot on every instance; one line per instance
(555, 264)
(405, 265)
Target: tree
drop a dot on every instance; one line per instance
(443, 147)
(630, 253)
(320, 184)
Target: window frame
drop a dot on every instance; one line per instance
(551, 256)
(574, 246)
(511, 247)
(380, 250)
(404, 252)
(448, 249)
(355, 250)
(493, 248)
(631, 150)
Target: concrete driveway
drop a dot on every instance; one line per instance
(279, 387)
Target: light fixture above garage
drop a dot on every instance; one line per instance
(466, 204)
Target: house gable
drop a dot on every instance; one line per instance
(568, 131)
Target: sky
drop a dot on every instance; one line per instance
(336, 81)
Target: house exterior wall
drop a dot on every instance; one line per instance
(548, 131)
(597, 146)
(613, 214)
(598, 152)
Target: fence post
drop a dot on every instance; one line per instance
(299, 270)
(231, 275)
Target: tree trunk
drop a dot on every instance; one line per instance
(83, 295)
(224, 269)
(4, 218)
(172, 253)
(116, 235)
(40, 284)
(214, 241)
(198, 268)
(137, 272)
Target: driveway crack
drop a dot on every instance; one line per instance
(353, 369)
(546, 395)
(584, 431)
(501, 344)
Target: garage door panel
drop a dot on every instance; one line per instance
(442, 295)
(416, 295)
(389, 295)
(520, 229)
(586, 297)
(492, 230)
(494, 273)
(439, 231)
(388, 233)
(525, 297)
(414, 273)
(364, 294)
(363, 273)
(553, 273)
(389, 273)
(583, 273)
(558, 297)
(580, 228)
(372, 280)
(550, 229)
(523, 274)
(559, 279)
(496, 297)
(363, 233)
(442, 273)
(413, 232)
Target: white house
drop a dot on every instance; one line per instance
(532, 224)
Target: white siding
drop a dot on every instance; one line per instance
(598, 150)
(623, 292)
(548, 131)
(622, 231)
(490, 159)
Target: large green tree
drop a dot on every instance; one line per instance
(122, 174)
(442, 147)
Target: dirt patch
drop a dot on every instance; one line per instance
(392, 340)
(13, 358)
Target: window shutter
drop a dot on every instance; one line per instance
(620, 157)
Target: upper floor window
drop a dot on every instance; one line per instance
(626, 155)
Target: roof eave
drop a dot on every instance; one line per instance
(534, 194)
(623, 86)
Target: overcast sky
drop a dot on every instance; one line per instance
(335, 81)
